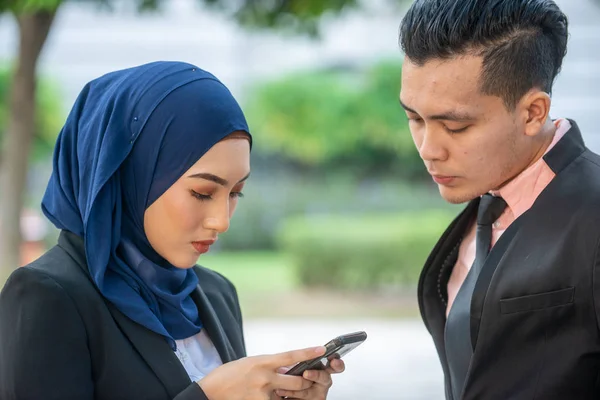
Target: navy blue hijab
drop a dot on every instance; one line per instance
(130, 135)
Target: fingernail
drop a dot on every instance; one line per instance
(320, 350)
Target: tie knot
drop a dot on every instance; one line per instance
(490, 209)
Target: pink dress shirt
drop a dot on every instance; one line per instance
(519, 194)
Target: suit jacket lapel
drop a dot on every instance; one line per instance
(211, 323)
(562, 155)
(152, 347)
(487, 272)
(157, 353)
(566, 150)
(432, 308)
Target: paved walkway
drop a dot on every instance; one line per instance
(398, 360)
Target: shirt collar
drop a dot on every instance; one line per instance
(523, 190)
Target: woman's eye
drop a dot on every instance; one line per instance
(200, 196)
(205, 197)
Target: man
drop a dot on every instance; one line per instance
(511, 292)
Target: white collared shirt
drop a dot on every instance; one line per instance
(198, 355)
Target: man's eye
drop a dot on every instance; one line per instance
(454, 131)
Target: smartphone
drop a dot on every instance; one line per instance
(336, 348)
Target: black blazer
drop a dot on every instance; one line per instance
(60, 339)
(535, 309)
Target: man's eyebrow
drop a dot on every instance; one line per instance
(407, 108)
(447, 116)
(215, 178)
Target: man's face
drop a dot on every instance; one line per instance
(469, 141)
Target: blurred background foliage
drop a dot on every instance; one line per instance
(35, 20)
(331, 142)
(50, 115)
(339, 203)
(361, 252)
(338, 119)
(338, 199)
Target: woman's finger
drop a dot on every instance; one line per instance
(320, 377)
(283, 370)
(289, 382)
(336, 366)
(314, 393)
(293, 357)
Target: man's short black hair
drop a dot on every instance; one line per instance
(522, 42)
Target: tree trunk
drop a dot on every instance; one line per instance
(33, 31)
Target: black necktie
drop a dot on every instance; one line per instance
(458, 326)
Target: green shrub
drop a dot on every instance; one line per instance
(336, 119)
(367, 252)
(273, 196)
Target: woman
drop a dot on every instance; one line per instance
(148, 170)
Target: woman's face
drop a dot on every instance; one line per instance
(182, 223)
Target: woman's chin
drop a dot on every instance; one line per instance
(184, 263)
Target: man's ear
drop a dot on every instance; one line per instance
(536, 109)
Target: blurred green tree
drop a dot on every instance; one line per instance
(49, 114)
(35, 18)
(337, 119)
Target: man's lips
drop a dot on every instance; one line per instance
(443, 179)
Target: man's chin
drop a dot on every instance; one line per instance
(454, 195)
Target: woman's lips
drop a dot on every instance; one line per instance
(202, 246)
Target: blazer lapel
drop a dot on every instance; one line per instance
(566, 150)
(157, 353)
(211, 323)
(562, 155)
(152, 347)
(487, 272)
(431, 305)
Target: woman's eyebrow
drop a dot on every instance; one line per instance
(215, 178)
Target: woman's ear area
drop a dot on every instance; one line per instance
(239, 135)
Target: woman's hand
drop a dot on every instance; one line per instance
(256, 378)
(322, 382)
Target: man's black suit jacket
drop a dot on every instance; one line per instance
(535, 309)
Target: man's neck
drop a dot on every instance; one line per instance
(546, 136)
